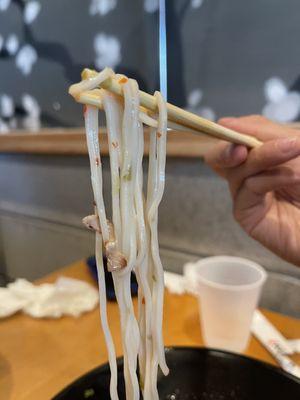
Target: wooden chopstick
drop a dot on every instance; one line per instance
(186, 118)
(177, 115)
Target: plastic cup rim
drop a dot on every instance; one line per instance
(224, 286)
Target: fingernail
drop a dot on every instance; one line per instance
(287, 144)
(227, 153)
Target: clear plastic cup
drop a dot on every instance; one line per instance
(228, 289)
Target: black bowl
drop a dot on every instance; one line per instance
(198, 374)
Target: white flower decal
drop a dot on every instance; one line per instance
(31, 106)
(4, 4)
(31, 11)
(208, 113)
(108, 51)
(31, 123)
(12, 44)
(4, 128)
(282, 106)
(56, 105)
(32, 120)
(195, 97)
(194, 100)
(26, 58)
(151, 5)
(196, 3)
(7, 107)
(102, 7)
(275, 89)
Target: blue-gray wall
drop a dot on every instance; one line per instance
(43, 199)
(224, 50)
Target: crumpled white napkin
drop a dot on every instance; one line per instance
(180, 284)
(67, 296)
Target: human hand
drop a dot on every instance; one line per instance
(264, 183)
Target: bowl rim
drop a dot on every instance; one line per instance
(201, 349)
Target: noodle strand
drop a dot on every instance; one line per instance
(130, 239)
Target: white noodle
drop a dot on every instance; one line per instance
(130, 240)
(158, 284)
(91, 83)
(104, 322)
(91, 126)
(156, 182)
(128, 168)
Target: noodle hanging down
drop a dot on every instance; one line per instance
(130, 240)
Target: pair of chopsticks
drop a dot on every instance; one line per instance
(180, 119)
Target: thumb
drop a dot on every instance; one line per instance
(225, 155)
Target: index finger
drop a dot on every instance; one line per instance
(258, 126)
(270, 154)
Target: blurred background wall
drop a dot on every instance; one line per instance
(225, 57)
(44, 198)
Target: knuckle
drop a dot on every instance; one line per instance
(257, 156)
(254, 118)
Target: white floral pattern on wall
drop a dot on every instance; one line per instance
(12, 44)
(282, 105)
(108, 51)
(194, 105)
(4, 4)
(7, 120)
(102, 7)
(39, 44)
(26, 58)
(32, 119)
(196, 3)
(31, 11)
(31, 109)
(7, 107)
(152, 6)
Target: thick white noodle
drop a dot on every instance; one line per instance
(92, 131)
(90, 83)
(127, 241)
(113, 111)
(114, 122)
(91, 126)
(134, 227)
(128, 218)
(141, 269)
(157, 160)
(104, 321)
